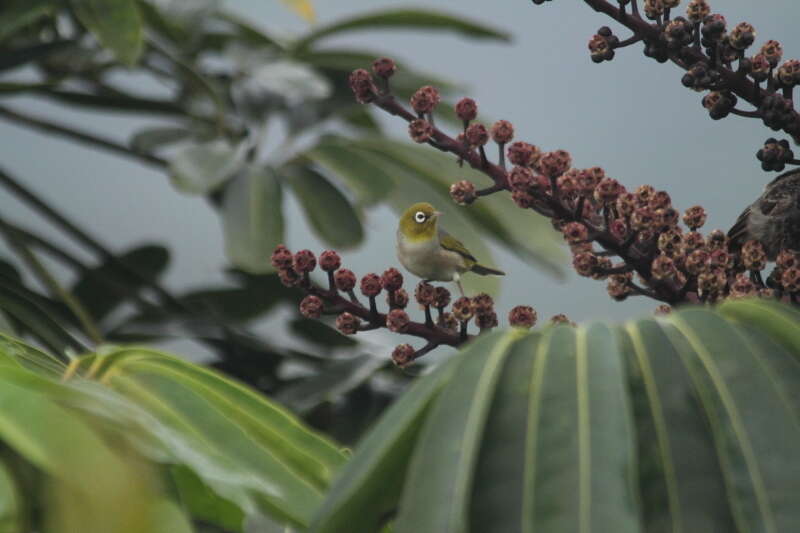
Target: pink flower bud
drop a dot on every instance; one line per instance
(348, 323)
(522, 316)
(311, 307)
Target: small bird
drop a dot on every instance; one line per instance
(431, 253)
(773, 219)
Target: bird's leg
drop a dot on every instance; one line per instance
(457, 279)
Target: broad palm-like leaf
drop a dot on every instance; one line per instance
(104, 431)
(683, 424)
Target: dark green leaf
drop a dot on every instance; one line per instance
(755, 424)
(150, 139)
(362, 172)
(117, 102)
(99, 290)
(332, 381)
(252, 218)
(17, 14)
(320, 333)
(414, 19)
(680, 481)
(203, 503)
(330, 213)
(370, 484)
(19, 56)
(441, 468)
(15, 302)
(117, 24)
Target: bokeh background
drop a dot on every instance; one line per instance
(630, 116)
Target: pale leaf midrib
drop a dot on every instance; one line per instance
(730, 406)
(659, 420)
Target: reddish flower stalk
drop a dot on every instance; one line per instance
(641, 227)
(450, 328)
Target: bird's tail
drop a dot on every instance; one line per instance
(486, 271)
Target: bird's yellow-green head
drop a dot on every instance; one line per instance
(418, 222)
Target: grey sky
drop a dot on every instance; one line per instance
(630, 116)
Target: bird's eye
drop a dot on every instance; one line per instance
(420, 217)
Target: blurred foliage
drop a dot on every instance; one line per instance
(132, 440)
(242, 118)
(686, 423)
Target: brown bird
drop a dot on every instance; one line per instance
(773, 219)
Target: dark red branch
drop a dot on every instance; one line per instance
(435, 335)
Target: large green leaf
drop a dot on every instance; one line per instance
(680, 481)
(687, 423)
(414, 19)
(37, 423)
(252, 218)
(366, 492)
(232, 454)
(117, 24)
(332, 216)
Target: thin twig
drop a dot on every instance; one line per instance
(80, 136)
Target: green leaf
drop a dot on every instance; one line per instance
(20, 56)
(332, 381)
(754, 422)
(257, 443)
(117, 24)
(361, 172)
(444, 457)
(203, 503)
(99, 289)
(17, 14)
(369, 485)
(11, 502)
(680, 481)
(686, 423)
(252, 218)
(330, 213)
(12, 349)
(414, 19)
(150, 139)
(559, 436)
(202, 168)
(16, 302)
(39, 425)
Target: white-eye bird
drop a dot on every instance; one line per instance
(428, 251)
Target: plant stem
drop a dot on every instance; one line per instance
(80, 136)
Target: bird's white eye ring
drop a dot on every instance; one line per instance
(420, 217)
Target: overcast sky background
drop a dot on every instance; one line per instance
(630, 116)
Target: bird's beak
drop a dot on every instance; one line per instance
(437, 214)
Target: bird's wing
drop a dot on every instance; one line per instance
(452, 244)
(738, 232)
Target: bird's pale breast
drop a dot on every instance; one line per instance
(428, 260)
